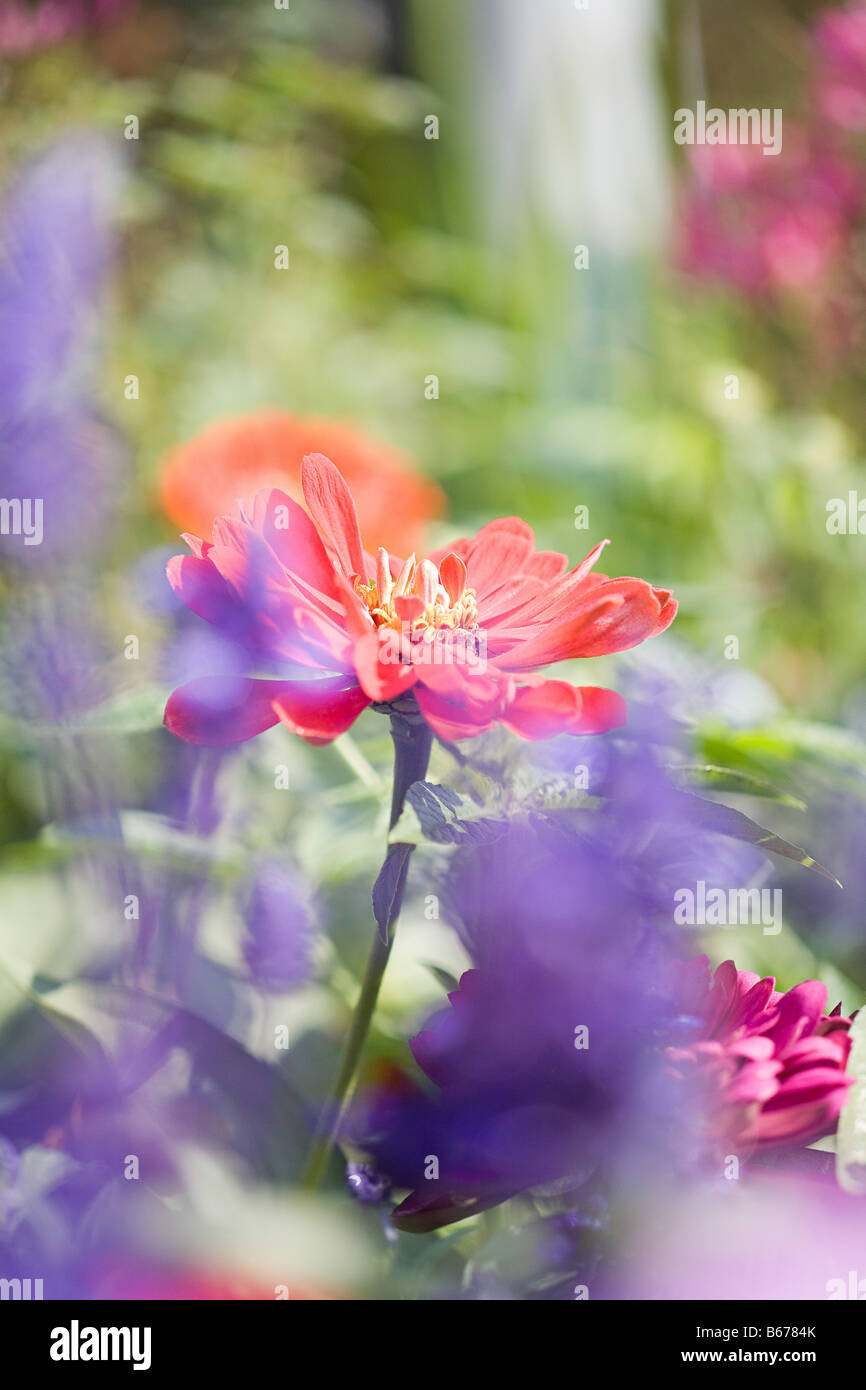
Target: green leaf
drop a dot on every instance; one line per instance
(448, 981)
(729, 779)
(794, 753)
(724, 820)
(134, 712)
(388, 888)
(440, 815)
(257, 1098)
(35, 1031)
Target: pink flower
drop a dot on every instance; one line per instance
(766, 225)
(25, 27)
(769, 1068)
(840, 37)
(327, 629)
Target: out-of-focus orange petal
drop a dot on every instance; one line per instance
(201, 479)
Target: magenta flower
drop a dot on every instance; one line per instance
(769, 1068)
(840, 37)
(25, 27)
(766, 226)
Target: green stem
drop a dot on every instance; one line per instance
(412, 743)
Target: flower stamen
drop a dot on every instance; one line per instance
(423, 602)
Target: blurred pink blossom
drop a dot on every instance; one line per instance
(26, 27)
(768, 226)
(768, 1067)
(840, 84)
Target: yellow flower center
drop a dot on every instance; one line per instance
(423, 600)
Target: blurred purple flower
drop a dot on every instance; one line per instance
(548, 1061)
(74, 1115)
(55, 250)
(546, 1057)
(278, 948)
(779, 1235)
(53, 662)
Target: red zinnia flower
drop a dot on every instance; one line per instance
(331, 629)
(770, 1067)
